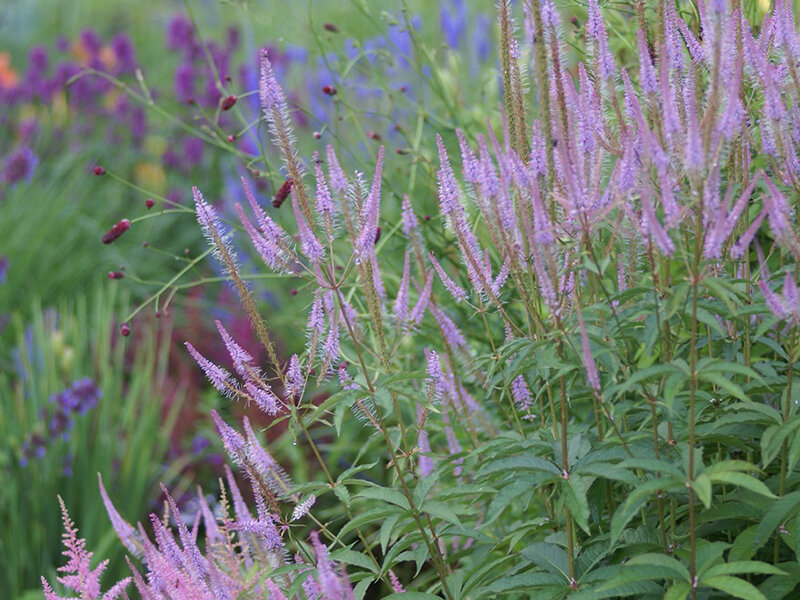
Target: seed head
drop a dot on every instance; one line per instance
(228, 103)
(283, 193)
(116, 231)
(98, 170)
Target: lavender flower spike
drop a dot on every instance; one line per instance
(370, 212)
(410, 222)
(456, 291)
(218, 376)
(309, 243)
(588, 360)
(400, 307)
(126, 534)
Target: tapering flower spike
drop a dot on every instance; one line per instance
(335, 173)
(410, 223)
(588, 360)
(455, 290)
(364, 245)
(422, 302)
(400, 306)
(597, 31)
(218, 376)
(126, 534)
(309, 244)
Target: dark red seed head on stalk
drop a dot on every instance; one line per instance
(116, 274)
(228, 103)
(330, 27)
(149, 203)
(98, 170)
(293, 292)
(124, 330)
(283, 193)
(328, 90)
(377, 234)
(116, 231)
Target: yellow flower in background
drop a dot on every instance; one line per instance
(150, 176)
(763, 5)
(8, 76)
(155, 145)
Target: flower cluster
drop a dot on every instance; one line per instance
(78, 399)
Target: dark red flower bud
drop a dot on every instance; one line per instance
(283, 193)
(427, 217)
(317, 135)
(149, 203)
(377, 234)
(293, 292)
(124, 330)
(328, 90)
(144, 244)
(228, 103)
(228, 78)
(116, 274)
(374, 135)
(402, 151)
(116, 231)
(232, 138)
(98, 170)
(330, 27)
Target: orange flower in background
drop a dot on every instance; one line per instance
(8, 76)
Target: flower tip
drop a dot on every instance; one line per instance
(98, 170)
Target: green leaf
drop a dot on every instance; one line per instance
(781, 511)
(521, 462)
(386, 495)
(574, 490)
(671, 565)
(341, 492)
(738, 588)
(636, 500)
(412, 596)
(351, 557)
(424, 487)
(723, 383)
(679, 591)
(442, 511)
(386, 530)
(548, 556)
(740, 567)
(702, 486)
(360, 590)
(746, 481)
(524, 581)
(743, 547)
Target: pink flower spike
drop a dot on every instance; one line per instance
(410, 222)
(422, 302)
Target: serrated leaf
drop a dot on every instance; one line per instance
(779, 512)
(679, 591)
(742, 480)
(548, 556)
(738, 588)
(386, 495)
(442, 511)
(664, 562)
(386, 530)
(574, 492)
(636, 500)
(522, 462)
(412, 596)
(424, 487)
(351, 557)
(740, 567)
(702, 487)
